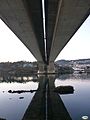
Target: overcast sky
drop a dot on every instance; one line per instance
(12, 49)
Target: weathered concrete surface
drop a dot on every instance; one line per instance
(24, 18)
(41, 67)
(55, 107)
(70, 16)
(50, 68)
(63, 18)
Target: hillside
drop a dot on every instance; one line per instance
(72, 62)
(77, 66)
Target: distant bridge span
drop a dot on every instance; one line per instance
(62, 20)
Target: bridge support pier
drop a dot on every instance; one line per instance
(51, 67)
(43, 68)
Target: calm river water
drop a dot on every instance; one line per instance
(78, 103)
(14, 105)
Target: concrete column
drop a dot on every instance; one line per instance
(51, 68)
(41, 67)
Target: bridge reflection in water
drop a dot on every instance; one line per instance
(46, 104)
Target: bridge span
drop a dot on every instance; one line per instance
(45, 27)
(61, 20)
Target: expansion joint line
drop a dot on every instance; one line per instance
(44, 28)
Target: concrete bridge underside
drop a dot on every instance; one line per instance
(63, 18)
